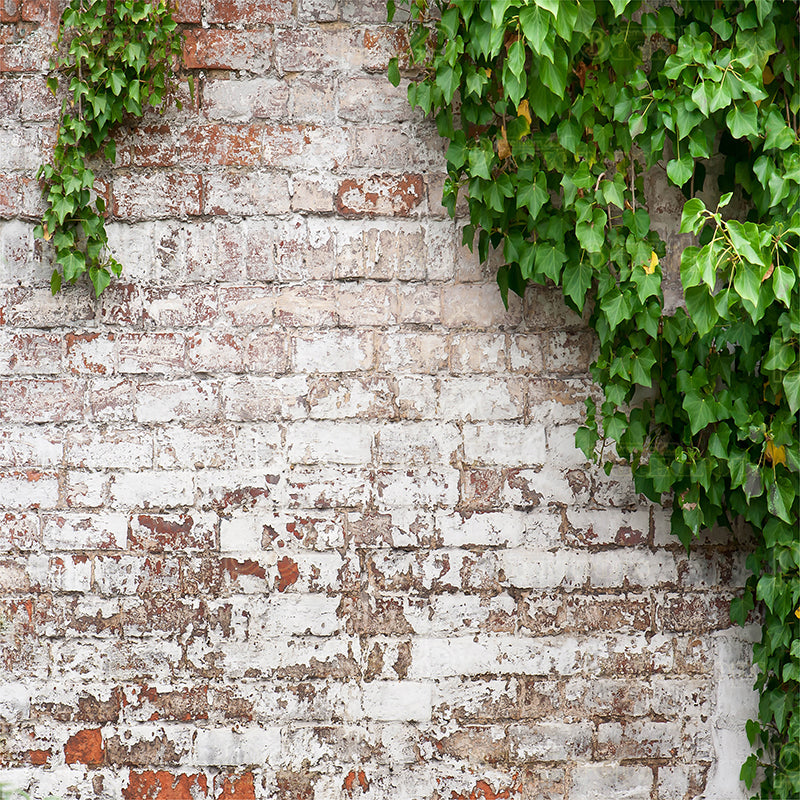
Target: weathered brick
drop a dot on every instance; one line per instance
(393, 195)
(219, 48)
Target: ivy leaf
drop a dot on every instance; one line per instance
(700, 410)
(576, 281)
(536, 27)
(681, 169)
(549, 5)
(516, 58)
(702, 309)
(619, 6)
(73, 264)
(746, 282)
(791, 385)
(533, 194)
(554, 76)
(616, 307)
(748, 770)
(591, 233)
(742, 120)
(393, 73)
(549, 261)
(480, 161)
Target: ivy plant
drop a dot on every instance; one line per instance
(554, 110)
(113, 60)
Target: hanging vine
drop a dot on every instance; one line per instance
(553, 110)
(114, 59)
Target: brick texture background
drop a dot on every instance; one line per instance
(293, 510)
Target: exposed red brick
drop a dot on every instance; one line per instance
(39, 757)
(240, 787)
(85, 747)
(162, 785)
(289, 573)
(228, 49)
(393, 195)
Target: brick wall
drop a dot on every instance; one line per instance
(293, 510)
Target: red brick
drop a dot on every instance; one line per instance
(253, 12)
(41, 400)
(216, 352)
(240, 787)
(158, 196)
(162, 785)
(394, 195)
(156, 532)
(19, 195)
(152, 353)
(85, 747)
(252, 193)
(187, 11)
(228, 49)
(91, 353)
(29, 353)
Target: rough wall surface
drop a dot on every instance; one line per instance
(293, 510)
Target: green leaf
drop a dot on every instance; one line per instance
(619, 6)
(749, 770)
(576, 281)
(746, 282)
(591, 233)
(554, 75)
(681, 169)
(692, 215)
(791, 385)
(549, 5)
(569, 134)
(533, 194)
(393, 73)
(516, 57)
(549, 261)
(480, 161)
(616, 307)
(702, 309)
(742, 120)
(536, 27)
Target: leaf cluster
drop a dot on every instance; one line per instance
(113, 60)
(554, 110)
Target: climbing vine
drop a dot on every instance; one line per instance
(554, 110)
(113, 60)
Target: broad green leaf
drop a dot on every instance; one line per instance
(680, 169)
(393, 72)
(700, 409)
(742, 120)
(692, 215)
(576, 280)
(536, 26)
(783, 281)
(533, 194)
(701, 307)
(548, 5)
(619, 6)
(746, 282)
(616, 307)
(747, 241)
(591, 234)
(549, 261)
(554, 75)
(791, 385)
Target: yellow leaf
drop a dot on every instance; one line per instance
(797, 612)
(776, 455)
(651, 267)
(46, 235)
(503, 150)
(524, 110)
(768, 76)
